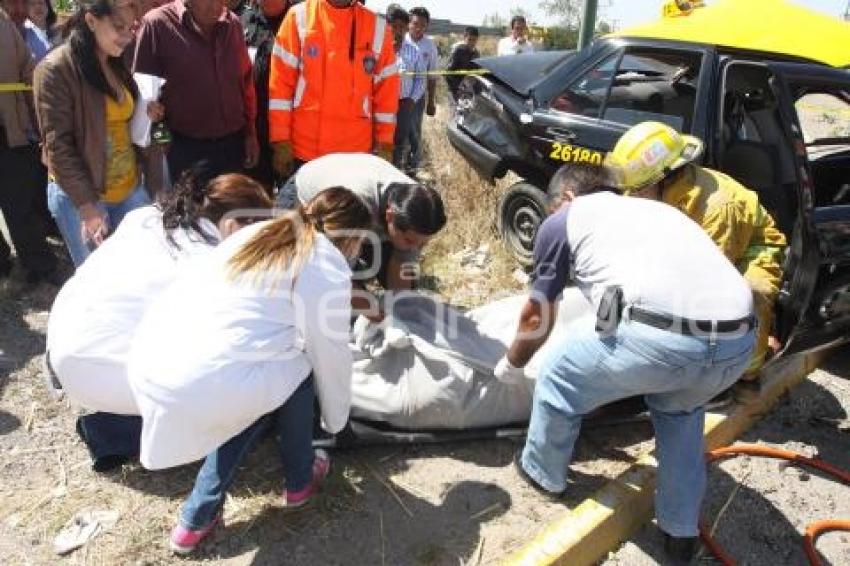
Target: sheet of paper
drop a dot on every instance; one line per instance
(150, 87)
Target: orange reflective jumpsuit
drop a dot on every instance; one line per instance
(334, 82)
(743, 230)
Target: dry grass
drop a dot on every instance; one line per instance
(471, 205)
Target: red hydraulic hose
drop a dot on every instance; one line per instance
(715, 548)
(813, 530)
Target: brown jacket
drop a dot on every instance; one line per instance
(72, 117)
(16, 64)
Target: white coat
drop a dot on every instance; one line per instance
(96, 312)
(213, 353)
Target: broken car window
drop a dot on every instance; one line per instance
(647, 85)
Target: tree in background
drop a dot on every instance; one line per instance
(562, 36)
(494, 20)
(568, 12)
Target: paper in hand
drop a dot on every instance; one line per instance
(150, 87)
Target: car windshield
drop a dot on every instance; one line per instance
(825, 120)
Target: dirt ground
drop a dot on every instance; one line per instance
(767, 504)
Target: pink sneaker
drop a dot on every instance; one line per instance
(184, 541)
(321, 467)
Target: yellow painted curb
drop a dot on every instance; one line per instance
(600, 523)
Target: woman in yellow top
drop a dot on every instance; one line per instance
(654, 161)
(85, 97)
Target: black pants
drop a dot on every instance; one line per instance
(111, 439)
(222, 155)
(20, 184)
(263, 172)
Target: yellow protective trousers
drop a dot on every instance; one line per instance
(762, 269)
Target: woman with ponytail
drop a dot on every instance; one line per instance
(97, 311)
(84, 99)
(264, 311)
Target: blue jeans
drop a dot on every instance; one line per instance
(287, 195)
(294, 426)
(69, 223)
(407, 151)
(677, 375)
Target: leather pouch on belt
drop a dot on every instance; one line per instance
(610, 310)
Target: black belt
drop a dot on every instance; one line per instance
(690, 327)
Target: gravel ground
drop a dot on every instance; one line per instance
(767, 502)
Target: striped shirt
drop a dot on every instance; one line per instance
(418, 57)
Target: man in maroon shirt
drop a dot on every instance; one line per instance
(198, 47)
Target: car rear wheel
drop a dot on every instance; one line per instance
(521, 211)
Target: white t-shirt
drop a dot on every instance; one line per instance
(662, 259)
(96, 312)
(214, 354)
(510, 46)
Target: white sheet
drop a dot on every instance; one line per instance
(444, 379)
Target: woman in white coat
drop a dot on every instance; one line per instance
(95, 314)
(264, 310)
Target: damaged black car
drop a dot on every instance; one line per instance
(778, 124)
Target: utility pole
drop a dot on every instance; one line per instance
(588, 23)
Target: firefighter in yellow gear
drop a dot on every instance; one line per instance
(653, 160)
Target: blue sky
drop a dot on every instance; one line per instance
(624, 12)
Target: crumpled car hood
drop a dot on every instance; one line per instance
(522, 72)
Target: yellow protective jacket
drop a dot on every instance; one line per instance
(743, 230)
(334, 83)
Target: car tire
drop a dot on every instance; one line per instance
(521, 211)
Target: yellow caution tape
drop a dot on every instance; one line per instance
(14, 87)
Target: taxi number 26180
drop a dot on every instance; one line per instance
(572, 154)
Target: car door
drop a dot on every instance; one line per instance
(814, 309)
(620, 88)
